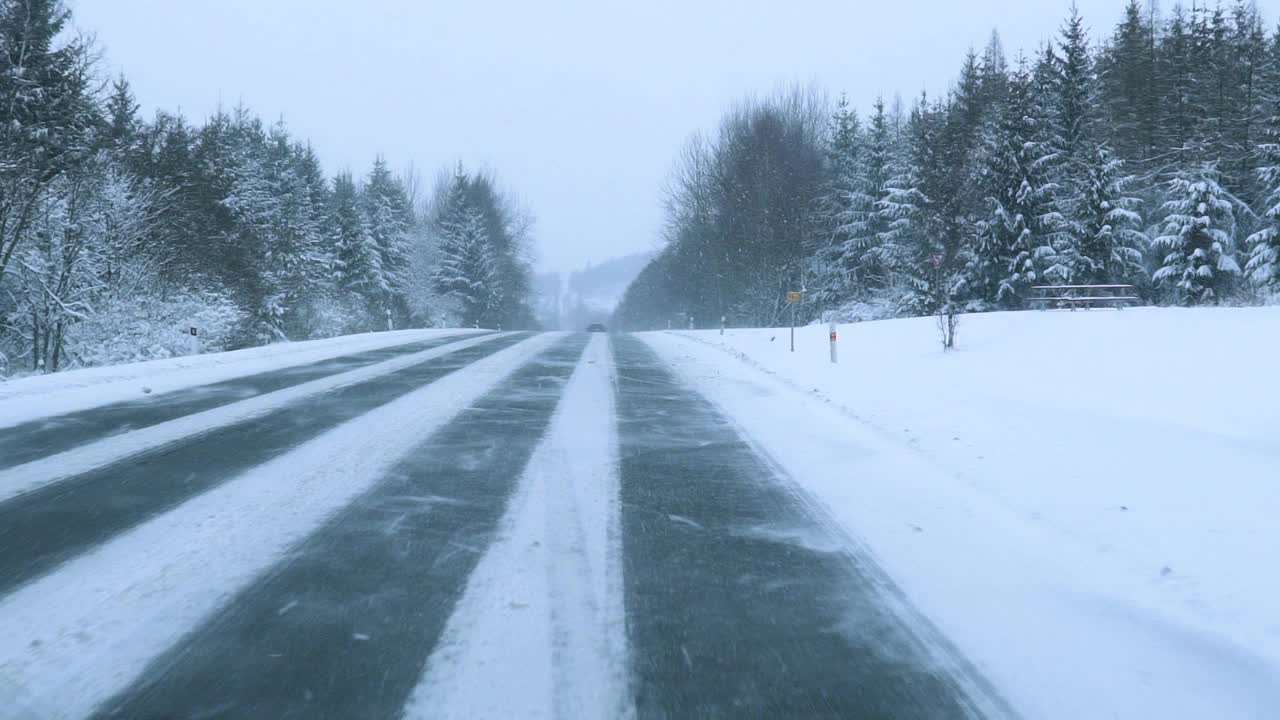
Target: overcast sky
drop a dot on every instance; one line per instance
(579, 105)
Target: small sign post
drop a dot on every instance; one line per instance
(834, 356)
(793, 298)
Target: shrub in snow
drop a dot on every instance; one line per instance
(880, 306)
(136, 327)
(331, 316)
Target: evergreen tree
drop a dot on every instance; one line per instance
(1020, 199)
(912, 245)
(357, 262)
(1178, 116)
(1198, 264)
(841, 203)
(122, 124)
(1076, 96)
(869, 219)
(1263, 266)
(1113, 245)
(1129, 79)
(466, 273)
(389, 220)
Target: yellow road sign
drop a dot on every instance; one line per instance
(793, 297)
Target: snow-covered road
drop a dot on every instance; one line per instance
(496, 525)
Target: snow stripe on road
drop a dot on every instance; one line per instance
(739, 601)
(343, 628)
(540, 631)
(35, 439)
(38, 473)
(49, 525)
(81, 634)
(59, 393)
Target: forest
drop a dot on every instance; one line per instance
(1148, 157)
(121, 236)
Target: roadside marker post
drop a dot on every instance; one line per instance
(835, 358)
(793, 298)
(722, 325)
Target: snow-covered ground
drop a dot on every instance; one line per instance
(38, 396)
(1084, 502)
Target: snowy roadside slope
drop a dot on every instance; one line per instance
(1083, 501)
(39, 396)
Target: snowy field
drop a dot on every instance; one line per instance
(1084, 502)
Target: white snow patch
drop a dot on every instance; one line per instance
(1084, 502)
(31, 476)
(84, 632)
(540, 631)
(39, 396)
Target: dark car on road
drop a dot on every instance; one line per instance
(597, 327)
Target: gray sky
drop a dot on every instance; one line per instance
(579, 105)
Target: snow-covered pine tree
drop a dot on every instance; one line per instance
(950, 181)
(1178, 117)
(294, 258)
(1019, 196)
(1198, 264)
(389, 219)
(1073, 109)
(1054, 253)
(357, 263)
(1112, 245)
(834, 260)
(466, 273)
(122, 124)
(868, 219)
(1263, 266)
(907, 246)
(1127, 70)
(1244, 82)
(1075, 106)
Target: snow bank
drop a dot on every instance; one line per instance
(1083, 501)
(38, 396)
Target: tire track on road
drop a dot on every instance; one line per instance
(38, 438)
(739, 602)
(344, 628)
(43, 528)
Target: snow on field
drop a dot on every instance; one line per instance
(38, 396)
(550, 587)
(1085, 502)
(87, 630)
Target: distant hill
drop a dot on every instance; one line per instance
(588, 295)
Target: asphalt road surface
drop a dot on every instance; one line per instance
(741, 600)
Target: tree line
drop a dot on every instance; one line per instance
(1150, 158)
(119, 234)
